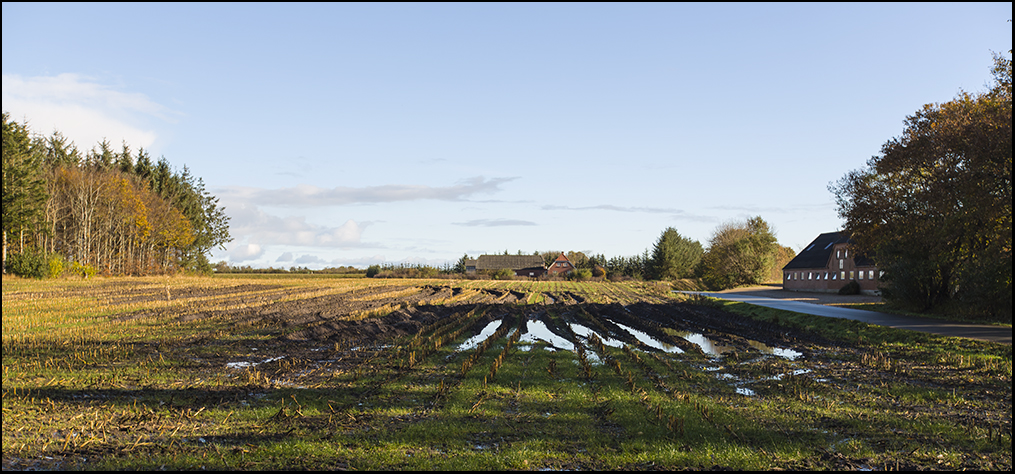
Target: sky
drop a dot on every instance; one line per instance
(360, 134)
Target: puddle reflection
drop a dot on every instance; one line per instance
(650, 341)
(474, 341)
(586, 332)
(707, 345)
(537, 331)
(244, 365)
(788, 354)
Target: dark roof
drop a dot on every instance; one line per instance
(513, 262)
(818, 252)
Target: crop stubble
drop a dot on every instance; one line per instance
(376, 365)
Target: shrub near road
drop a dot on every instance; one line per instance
(249, 372)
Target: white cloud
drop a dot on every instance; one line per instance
(285, 257)
(244, 252)
(304, 259)
(83, 110)
(255, 225)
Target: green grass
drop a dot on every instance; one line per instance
(888, 309)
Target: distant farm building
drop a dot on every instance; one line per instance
(560, 266)
(522, 265)
(828, 264)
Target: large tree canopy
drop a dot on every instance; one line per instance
(674, 256)
(934, 208)
(24, 192)
(102, 211)
(739, 253)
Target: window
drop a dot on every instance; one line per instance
(838, 253)
(810, 275)
(826, 275)
(851, 274)
(861, 274)
(840, 264)
(870, 275)
(842, 275)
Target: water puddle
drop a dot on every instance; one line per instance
(708, 346)
(474, 341)
(788, 354)
(795, 372)
(244, 365)
(738, 384)
(588, 332)
(651, 341)
(539, 332)
(715, 349)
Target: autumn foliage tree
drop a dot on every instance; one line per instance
(114, 213)
(934, 208)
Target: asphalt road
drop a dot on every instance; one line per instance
(934, 326)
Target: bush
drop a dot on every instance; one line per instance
(28, 264)
(580, 274)
(373, 270)
(55, 266)
(503, 274)
(83, 271)
(851, 288)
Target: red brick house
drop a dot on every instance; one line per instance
(560, 266)
(828, 264)
(522, 265)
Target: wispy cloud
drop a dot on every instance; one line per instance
(83, 109)
(494, 223)
(797, 208)
(678, 213)
(313, 196)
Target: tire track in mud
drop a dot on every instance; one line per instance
(326, 319)
(651, 389)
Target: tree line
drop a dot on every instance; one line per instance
(934, 208)
(102, 211)
(739, 253)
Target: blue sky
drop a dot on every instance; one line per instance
(353, 134)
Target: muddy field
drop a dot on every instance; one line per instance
(372, 364)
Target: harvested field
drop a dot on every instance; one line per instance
(276, 373)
